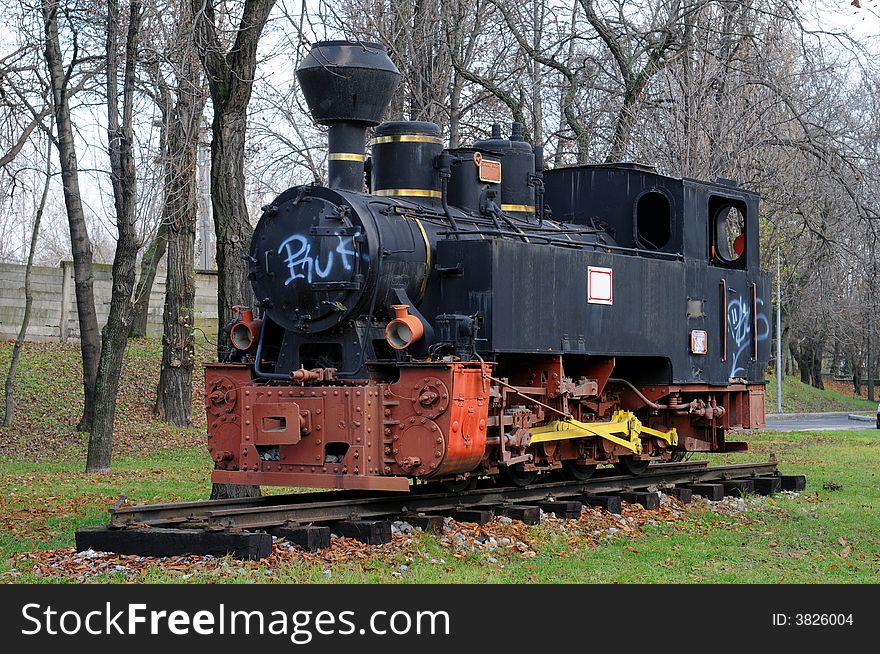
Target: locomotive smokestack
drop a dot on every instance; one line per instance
(347, 86)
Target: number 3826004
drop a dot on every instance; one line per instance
(822, 619)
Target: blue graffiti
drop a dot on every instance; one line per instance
(739, 329)
(302, 264)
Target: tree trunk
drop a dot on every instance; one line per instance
(803, 357)
(180, 210)
(804, 370)
(566, 96)
(786, 347)
(231, 220)
(28, 298)
(80, 244)
(622, 128)
(835, 360)
(230, 79)
(816, 367)
(114, 336)
(535, 80)
(149, 266)
(455, 111)
(857, 379)
(174, 392)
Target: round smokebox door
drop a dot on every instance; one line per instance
(306, 263)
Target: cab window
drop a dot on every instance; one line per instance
(727, 227)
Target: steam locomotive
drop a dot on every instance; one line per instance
(443, 315)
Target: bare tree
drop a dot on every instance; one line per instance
(183, 111)
(25, 134)
(285, 145)
(155, 251)
(149, 268)
(24, 95)
(114, 336)
(81, 246)
(462, 24)
(638, 51)
(230, 76)
(552, 57)
(28, 296)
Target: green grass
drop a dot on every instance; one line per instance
(821, 536)
(42, 504)
(48, 404)
(798, 397)
(785, 539)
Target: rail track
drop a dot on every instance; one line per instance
(240, 526)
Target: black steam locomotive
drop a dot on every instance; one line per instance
(473, 315)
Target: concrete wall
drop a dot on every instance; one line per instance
(54, 317)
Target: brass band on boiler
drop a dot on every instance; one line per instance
(407, 192)
(406, 138)
(346, 156)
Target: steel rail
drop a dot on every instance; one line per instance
(169, 513)
(307, 508)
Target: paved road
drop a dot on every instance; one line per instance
(816, 422)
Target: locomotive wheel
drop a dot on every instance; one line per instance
(518, 478)
(459, 485)
(626, 465)
(576, 471)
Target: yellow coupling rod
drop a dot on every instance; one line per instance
(624, 429)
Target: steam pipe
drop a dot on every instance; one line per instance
(653, 405)
(258, 359)
(538, 181)
(444, 165)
